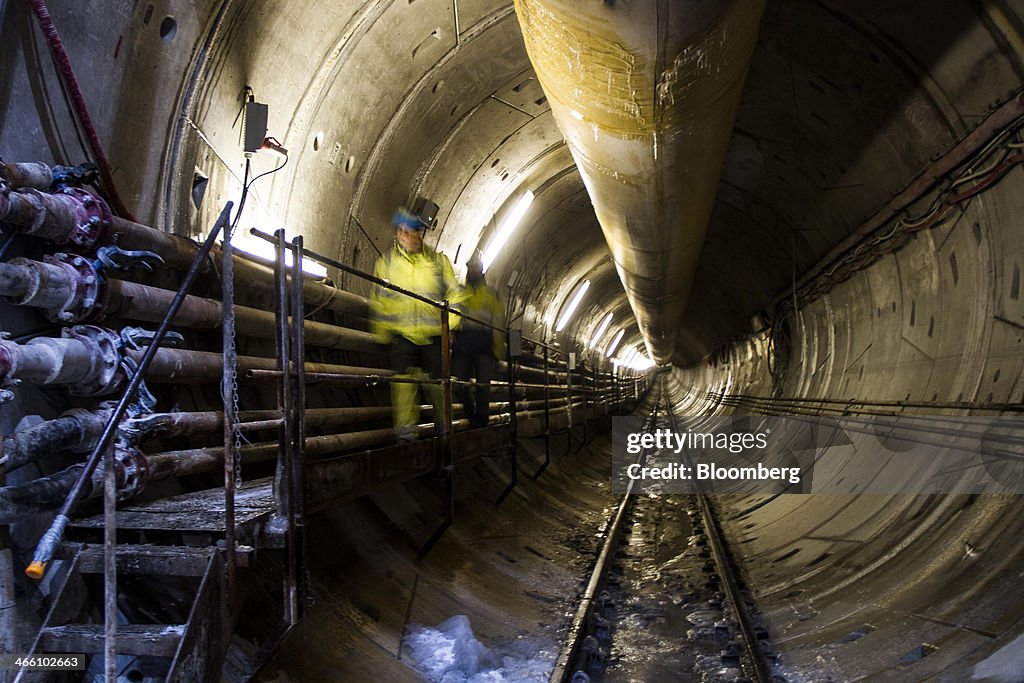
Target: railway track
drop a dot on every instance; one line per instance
(665, 601)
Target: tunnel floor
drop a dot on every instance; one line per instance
(513, 570)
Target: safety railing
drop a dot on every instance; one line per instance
(555, 385)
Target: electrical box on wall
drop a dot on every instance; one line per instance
(515, 343)
(255, 126)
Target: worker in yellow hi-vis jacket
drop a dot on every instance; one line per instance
(411, 329)
(477, 347)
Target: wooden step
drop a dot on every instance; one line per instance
(158, 640)
(148, 559)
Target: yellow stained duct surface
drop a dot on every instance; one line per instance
(646, 94)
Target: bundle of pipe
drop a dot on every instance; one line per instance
(136, 470)
(90, 360)
(645, 94)
(82, 219)
(68, 288)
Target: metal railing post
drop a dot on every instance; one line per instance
(447, 459)
(568, 398)
(285, 396)
(547, 416)
(513, 420)
(297, 545)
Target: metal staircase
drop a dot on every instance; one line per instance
(190, 650)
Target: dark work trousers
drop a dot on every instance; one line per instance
(466, 365)
(409, 360)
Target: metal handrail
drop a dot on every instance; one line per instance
(552, 375)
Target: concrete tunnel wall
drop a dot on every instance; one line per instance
(937, 321)
(457, 119)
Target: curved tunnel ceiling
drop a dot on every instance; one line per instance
(383, 102)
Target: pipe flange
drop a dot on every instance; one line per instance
(85, 293)
(107, 375)
(94, 217)
(132, 470)
(6, 364)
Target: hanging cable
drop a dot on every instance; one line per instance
(81, 110)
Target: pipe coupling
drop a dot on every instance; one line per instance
(66, 287)
(71, 216)
(131, 471)
(106, 375)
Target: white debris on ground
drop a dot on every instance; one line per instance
(1004, 666)
(450, 653)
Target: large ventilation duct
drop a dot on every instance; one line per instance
(646, 94)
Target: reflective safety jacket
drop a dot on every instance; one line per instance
(427, 273)
(481, 301)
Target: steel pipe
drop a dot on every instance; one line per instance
(186, 366)
(76, 431)
(141, 302)
(135, 470)
(71, 216)
(28, 174)
(178, 252)
(39, 495)
(87, 358)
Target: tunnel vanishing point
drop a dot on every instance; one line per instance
(695, 208)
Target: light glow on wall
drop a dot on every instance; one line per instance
(515, 215)
(600, 331)
(571, 308)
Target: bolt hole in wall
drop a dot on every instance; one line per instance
(317, 141)
(168, 27)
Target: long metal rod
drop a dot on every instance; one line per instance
(109, 566)
(48, 543)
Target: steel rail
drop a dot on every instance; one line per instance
(760, 669)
